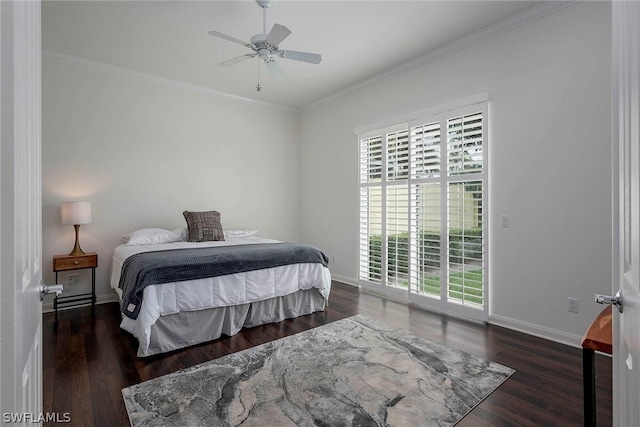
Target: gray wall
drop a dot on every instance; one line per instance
(142, 153)
(549, 163)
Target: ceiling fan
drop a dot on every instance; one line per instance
(265, 46)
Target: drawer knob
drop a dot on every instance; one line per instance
(75, 262)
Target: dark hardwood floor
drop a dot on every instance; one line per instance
(89, 359)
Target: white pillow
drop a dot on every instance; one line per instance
(238, 234)
(150, 236)
(183, 232)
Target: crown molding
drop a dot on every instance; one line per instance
(487, 33)
(153, 79)
(437, 54)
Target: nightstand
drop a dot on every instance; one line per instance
(76, 262)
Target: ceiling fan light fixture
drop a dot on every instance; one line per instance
(258, 39)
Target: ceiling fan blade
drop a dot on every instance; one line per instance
(232, 39)
(238, 59)
(277, 34)
(274, 68)
(313, 58)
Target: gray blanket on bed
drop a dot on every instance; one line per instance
(177, 265)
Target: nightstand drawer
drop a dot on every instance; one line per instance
(73, 262)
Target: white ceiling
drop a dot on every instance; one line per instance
(358, 40)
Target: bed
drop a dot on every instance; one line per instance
(181, 313)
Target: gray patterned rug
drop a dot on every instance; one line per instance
(353, 372)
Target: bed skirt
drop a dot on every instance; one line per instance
(189, 328)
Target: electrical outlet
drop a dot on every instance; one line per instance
(333, 259)
(73, 279)
(572, 305)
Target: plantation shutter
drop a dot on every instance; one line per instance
(425, 151)
(398, 155)
(423, 207)
(465, 206)
(371, 159)
(426, 208)
(397, 203)
(371, 248)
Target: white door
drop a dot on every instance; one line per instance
(626, 143)
(20, 214)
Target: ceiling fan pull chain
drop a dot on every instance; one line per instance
(258, 87)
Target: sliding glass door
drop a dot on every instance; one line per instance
(423, 204)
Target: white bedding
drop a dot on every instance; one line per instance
(221, 291)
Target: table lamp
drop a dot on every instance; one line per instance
(76, 213)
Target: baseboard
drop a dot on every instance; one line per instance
(100, 299)
(344, 279)
(537, 331)
(505, 322)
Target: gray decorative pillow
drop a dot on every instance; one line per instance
(203, 226)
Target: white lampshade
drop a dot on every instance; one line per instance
(75, 213)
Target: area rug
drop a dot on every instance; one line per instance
(354, 372)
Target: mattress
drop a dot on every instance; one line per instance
(214, 292)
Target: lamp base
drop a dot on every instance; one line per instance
(77, 250)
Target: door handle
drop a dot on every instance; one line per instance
(53, 289)
(616, 299)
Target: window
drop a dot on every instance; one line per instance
(423, 204)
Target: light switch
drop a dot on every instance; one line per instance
(504, 221)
